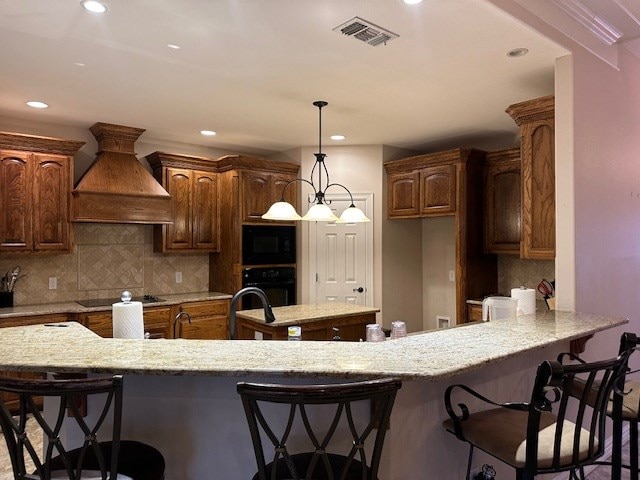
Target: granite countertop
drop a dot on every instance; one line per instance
(301, 314)
(73, 307)
(429, 356)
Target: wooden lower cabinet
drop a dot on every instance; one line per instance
(209, 320)
(10, 399)
(157, 322)
(351, 329)
(474, 313)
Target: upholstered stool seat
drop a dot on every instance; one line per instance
(509, 442)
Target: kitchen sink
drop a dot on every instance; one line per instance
(103, 302)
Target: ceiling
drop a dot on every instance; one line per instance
(251, 69)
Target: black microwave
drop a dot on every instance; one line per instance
(268, 244)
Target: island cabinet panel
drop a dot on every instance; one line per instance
(192, 183)
(261, 189)
(157, 322)
(403, 195)
(11, 400)
(503, 202)
(537, 131)
(438, 190)
(209, 320)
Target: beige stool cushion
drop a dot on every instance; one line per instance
(502, 433)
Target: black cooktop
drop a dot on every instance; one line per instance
(103, 302)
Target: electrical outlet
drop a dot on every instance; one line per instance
(442, 321)
(178, 277)
(53, 283)
(452, 276)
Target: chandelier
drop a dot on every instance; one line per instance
(319, 210)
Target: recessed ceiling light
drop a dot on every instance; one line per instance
(37, 104)
(412, 2)
(517, 52)
(338, 137)
(79, 64)
(173, 46)
(207, 133)
(94, 6)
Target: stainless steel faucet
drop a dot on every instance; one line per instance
(268, 313)
(177, 320)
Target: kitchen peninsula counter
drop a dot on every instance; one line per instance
(428, 356)
(192, 384)
(316, 320)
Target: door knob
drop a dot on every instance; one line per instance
(359, 289)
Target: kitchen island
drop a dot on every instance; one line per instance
(180, 395)
(317, 322)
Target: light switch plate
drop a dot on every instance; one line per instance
(53, 283)
(178, 277)
(452, 275)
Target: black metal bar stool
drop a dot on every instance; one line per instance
(335, 403)
(116, 458)
(624, 406)
(555, 431)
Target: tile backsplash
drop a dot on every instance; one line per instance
(107, 258)
(514, 272)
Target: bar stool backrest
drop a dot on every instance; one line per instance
(337, 402)
(18, 438)
(578, 395)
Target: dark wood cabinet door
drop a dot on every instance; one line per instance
(538, 190)
(503, 197)
(51, 202)
(206, 232)
(15, 201)
(209, 320)
(403, 194)
(256, 195)
(438, 190)
(157, 322)
(278, 184)
(178, 183)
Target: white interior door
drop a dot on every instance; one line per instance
(342, 256)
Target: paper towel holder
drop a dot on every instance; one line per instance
(126, 296)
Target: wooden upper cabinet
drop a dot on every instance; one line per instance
(261, 189)
(15, 201)
(403, 194)
(438, 190)
(537, 131)
(206, 231)
(503, 202)
(51, 207)
(35, 191)
(424, 185)
(192, 183)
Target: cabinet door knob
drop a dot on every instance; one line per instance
(359, 289)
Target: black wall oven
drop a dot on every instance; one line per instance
(278, 283)
(268, 244)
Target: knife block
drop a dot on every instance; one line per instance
(6, 299)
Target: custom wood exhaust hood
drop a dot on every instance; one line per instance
(117, 188)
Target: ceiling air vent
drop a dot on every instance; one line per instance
(365, 32)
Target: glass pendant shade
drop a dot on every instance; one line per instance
(282, 211)
(353, 215)
(320, 213)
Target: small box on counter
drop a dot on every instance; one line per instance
(6, 299)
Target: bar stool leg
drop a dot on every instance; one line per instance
(616, 447)
(633, 449)
(469, 462)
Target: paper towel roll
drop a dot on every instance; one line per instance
(526, 300)
(127, 320)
